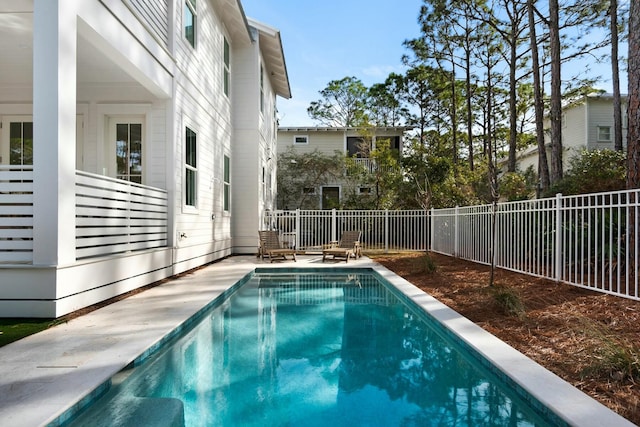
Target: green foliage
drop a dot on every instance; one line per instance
(424, 264)
(343, 104)
(592, 171)
(515, 186)
(509, 301)
(614, 359)
(299, 173)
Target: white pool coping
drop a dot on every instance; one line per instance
(44, 375)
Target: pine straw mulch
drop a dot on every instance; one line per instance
(591, 340)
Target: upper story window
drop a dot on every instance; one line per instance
(226, 196)
(604, 133)
(261, 89)
(356, 146)
(191, 168)
(301, 139)
(227, 67)
(189, 21)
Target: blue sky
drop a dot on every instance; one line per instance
(331, 39)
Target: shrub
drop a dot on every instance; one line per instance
(509, 301)
(424, 264)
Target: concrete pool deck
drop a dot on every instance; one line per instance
(45, 374)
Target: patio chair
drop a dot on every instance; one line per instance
(347, 247)
(271, 247)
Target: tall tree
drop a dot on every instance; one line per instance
(343, 104)
(615, 74)
(512, 31)
(555, 110)
(633, 109)
(385, 102)
(538, 101)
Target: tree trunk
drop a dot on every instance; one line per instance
(555, 111)
(543, 166)
(633, 109)
(513, 114)
(615, 73)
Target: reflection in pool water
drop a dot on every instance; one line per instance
(312, 349)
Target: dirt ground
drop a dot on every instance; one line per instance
(590, 339)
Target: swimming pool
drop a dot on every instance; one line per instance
(316, 349)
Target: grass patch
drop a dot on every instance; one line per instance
(508, 301)
(613, 359)
(424, 264)
(14, 329)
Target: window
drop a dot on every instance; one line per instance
(330, 198)
(356, 146)
(310, 191)
(189, 21)
(301, 139)
(364, 190)
(604, 133)
(129, 152)
(261, 89)
(227, 67)
(226, 197)
(21, 143)
(191, 168)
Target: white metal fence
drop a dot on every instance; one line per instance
(589, 241)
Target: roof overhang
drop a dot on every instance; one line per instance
(273, 56)
(235, 21)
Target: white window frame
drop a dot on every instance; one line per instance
(305, 137)
(309, 191)
(226, 185)
(226, 67)
(600, 129)
(188, 167)
(190, 4)
(261, 88)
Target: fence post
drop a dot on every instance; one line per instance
(558, 248)
(455, 232)
(334, 224)
(386, 231)
(297, 229)
(432, 225)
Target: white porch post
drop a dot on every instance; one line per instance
(54, 131)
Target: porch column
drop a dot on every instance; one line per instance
(54, 131)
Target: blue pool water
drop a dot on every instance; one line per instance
(312, 349)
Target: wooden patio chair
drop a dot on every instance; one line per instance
(347, 247)
(271, 247)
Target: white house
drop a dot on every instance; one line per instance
(135, 138)
(586, 124)
(327, 140)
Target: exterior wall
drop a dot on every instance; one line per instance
(202, 234)
(254, 148)
(328, 141)
(580, 123)
(163, 81)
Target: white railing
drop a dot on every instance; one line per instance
(16, 214)
(115, 216)
(590, 241)
(381, 230)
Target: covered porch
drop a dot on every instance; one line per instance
(86, 121)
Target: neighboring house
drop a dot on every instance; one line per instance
(586, 124)
(135, 138)
(328, 140)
